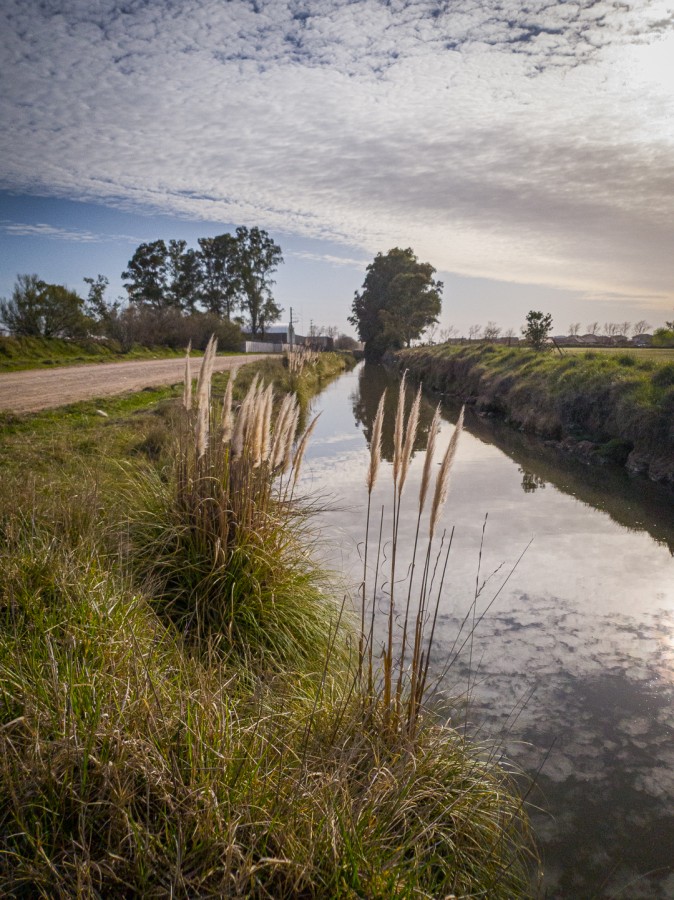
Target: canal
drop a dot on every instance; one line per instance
(567, 573)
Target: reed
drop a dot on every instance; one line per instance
(403, 684)
(221, 538)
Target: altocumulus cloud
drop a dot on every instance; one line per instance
(527, 144)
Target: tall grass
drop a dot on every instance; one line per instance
(141, 754)
(219, 536)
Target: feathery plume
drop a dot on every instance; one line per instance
(299, 454)
(278, 443)
(204, 397)
(226, 424)
(398, 430)
(267, 406)
(293, 419)
(375, 444)
(242, 423)
(187, 390)
(410, 437)
(428, 462)
(442, 482)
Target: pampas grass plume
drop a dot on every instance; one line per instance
(442, 482)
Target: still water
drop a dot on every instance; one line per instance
(571, 670)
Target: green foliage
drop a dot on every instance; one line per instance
(228, 275)
(258, 258)
(398, 301)
(537, 329)
(663, 337)
(38, 309)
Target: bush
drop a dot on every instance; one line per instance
(171, 328)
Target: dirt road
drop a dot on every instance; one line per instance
(30, 391)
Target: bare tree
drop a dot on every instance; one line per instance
(430, 333)
(593, 328)
(640, 327)
(474, 332)
(491, 331)
(509, 335)
(446, 334)
(574, 328)
(625, 328)
(611, 329)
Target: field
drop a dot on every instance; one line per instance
(654, 354)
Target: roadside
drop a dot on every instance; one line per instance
(33, 390)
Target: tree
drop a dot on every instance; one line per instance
(574, 328)
(640, 327)
(346, 342)
(446, 334)
(509, 335)
(593, 328)
(474, 332)
(399, 299)
(491, 331)
(625, 328)
(146, 275)
(184, 276)
(220, 277)
(537, 329)
(257, 258)
(103, 315)
(38, 309)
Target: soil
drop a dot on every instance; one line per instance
(35, 389)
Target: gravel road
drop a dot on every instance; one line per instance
(24, 392)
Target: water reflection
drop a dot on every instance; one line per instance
(583, 631)
(372, 382)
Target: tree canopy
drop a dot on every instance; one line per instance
(398, 301)
(38, 309)
(228, 276)
(537, 329)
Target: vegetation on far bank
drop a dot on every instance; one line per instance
(182, 706)
(616, 407)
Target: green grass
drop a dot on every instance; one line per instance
(140, 759)
(19, 353)
(623, 398)
(655, 354)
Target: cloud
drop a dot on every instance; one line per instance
(530, 144)
(20, 229)
(332, 260)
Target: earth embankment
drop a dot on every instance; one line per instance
(600, 407)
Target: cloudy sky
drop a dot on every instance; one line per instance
(525, 150)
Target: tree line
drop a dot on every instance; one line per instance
(175, 294)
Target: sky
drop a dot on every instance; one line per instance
(526, 150)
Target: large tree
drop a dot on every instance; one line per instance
(258, 258)
(146, 278)
(398, 301)
(220, 276)
(38, 309)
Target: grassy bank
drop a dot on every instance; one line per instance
(183, 709)
(603, 407)
(18, 353)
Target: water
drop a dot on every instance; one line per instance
(572, 666)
